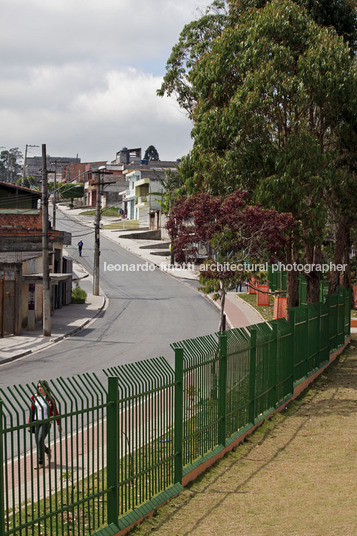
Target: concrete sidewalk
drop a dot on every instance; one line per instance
(64, 323)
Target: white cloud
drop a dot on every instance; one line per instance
(82, 76)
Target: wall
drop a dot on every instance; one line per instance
(32, 266)
(17, 222)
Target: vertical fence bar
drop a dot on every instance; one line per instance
(319, 359)
(348, 314)
(292, 318)
(222, 390)
(2, 491)
(306, 324)
(178, 413)
(274, 361)
(253, 354)
(113, 450)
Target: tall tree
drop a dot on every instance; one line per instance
(198, 36)
(341, 197)
(195, 41)
(151, 153)
(10, 165)
(232, 232)
(269, 97)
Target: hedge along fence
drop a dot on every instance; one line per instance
(128, 447)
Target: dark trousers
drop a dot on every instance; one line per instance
(41, 432)
(80, 251)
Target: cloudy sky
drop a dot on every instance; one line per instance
(81, 76)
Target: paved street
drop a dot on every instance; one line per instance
(146, 312)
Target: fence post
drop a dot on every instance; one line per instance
(348, 314)
(292, 353)
(319, 310)
(274, 354)
(2, 493)
(341, 315)
(178, 413)
(222, 385)
(113, 450)
(253, 354)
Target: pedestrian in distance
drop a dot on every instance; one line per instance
(80, 245)
(43, 407)
(239, 286)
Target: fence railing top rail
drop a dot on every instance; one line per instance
(69, 394)
(141, 376)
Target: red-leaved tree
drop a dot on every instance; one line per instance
(232, 233)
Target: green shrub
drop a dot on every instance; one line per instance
(78, 295)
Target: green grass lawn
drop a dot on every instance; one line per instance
(111, 212)
(300, 460)
(122, 225)
(265, 310)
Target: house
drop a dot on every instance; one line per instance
(54, 164)
(21, 260)
(83, 173)
(112, 179)
(146, 185)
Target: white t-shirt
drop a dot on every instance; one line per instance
(41, 408)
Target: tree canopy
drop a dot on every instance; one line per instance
(10, 166)
(197, 38)
(151, 153)
(233, 233)
(272, 96)
(67, 190)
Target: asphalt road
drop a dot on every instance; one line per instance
(146, 312)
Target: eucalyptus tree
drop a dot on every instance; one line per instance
(267, 97)
(10, 165)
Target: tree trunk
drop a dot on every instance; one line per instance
(222, 320)
(292, 282)
(341, 255)
(313, 257)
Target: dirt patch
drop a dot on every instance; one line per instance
(296, 475)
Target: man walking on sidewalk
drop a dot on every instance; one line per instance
(80, 245)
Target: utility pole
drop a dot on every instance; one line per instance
(100, 172)
(54, 199)
(46, 309)
(97, 240)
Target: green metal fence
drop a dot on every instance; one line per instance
(67, 495)
(127, 440)
(278, 281)
(140, 434)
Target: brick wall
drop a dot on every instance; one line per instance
(15, 222)
(26, 226)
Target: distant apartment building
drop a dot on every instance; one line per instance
(141, 199)
(21, 262)
(54, 164)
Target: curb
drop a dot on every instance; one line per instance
(253, 308)
(57, 339)
(217, 306)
